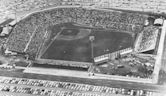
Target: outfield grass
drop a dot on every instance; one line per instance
(73, 43)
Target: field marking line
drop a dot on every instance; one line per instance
(52, 41)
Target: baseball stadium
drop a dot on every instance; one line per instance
(70, 45)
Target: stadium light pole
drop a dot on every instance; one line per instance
(92, 38)
(15, 16)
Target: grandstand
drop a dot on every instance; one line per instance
(30, 42)
(131, 25)
(147, 40)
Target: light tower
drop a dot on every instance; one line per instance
(92, 38)
(91, 72)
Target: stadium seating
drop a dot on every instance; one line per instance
(37, 24)
(147, 39)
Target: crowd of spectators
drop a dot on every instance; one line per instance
(113, 20)
(147, 39)
(22, 38)
(79, 89)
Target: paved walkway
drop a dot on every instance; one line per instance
(82, 74)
